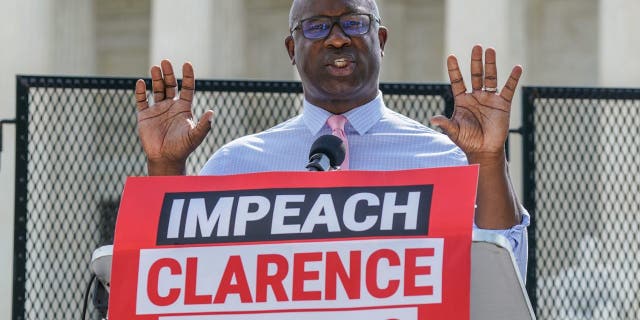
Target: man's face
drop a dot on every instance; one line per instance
(338, 72)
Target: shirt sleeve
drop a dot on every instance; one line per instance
(517, 236)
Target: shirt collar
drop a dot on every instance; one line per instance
(361, 118)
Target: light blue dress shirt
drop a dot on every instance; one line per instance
(379, 139)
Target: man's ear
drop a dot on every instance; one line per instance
(382, 37)
(291, 49)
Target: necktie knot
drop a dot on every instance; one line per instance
(336, 122)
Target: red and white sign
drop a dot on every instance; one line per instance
(292, 245)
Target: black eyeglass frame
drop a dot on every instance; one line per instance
(336, 20)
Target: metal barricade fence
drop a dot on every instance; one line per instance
(77, 143)
(581, 162)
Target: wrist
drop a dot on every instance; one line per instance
(488, 159)
(166, 168)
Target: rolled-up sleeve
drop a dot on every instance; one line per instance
(517, 236)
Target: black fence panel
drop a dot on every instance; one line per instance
(77, 143)
(582, 182)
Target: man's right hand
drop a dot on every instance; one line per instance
(167, 129)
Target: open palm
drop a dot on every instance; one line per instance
(480, 121)
(167, 129)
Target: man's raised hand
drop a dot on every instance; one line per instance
(167, 129)
(480, 121)
(479, 126)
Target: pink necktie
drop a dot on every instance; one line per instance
(336, 123)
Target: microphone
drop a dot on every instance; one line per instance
(101, 265)
(326, 152)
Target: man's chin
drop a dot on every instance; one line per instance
(341, 87)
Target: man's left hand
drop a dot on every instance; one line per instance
(480, 121)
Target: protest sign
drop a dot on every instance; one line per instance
(295, 245)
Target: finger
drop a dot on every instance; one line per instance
(509, 88)
(188, 83)
(455, 76)
(202, 128)
(170, 83)
(490, 69)
(476, 68)
(157, 84)
(141, 95)
(448, 127)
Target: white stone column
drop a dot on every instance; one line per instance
(619, 43)
(25, 35)
(619, 66)
(492, 23)
(562, 42)
(39, 37)
(68, 25)
(74, 41)
(487, 22)
(210, 34)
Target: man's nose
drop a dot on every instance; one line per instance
(337, 38)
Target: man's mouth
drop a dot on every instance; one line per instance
(340, 63)
(341, 67)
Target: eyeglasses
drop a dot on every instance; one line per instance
(352, 24)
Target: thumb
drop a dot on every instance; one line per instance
(448, 127)
(202, 128)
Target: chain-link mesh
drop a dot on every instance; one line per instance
(583, 157)
(77, 143)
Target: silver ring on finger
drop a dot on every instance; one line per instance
(491, 90)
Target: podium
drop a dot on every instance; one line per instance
(497, 290)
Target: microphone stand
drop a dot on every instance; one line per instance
(319, 162)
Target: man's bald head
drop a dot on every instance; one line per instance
(295, 12)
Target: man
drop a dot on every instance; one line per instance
(337, 47)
